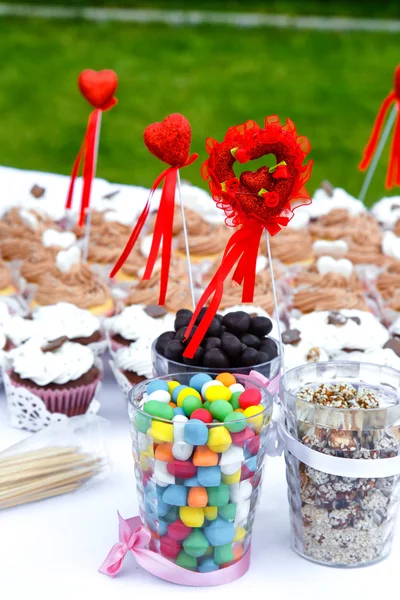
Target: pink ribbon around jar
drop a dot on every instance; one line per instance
(134, 537)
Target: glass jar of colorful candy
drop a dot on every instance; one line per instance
(199, 447)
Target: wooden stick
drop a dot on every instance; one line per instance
(26, 474)
(34, 498)
(41, 454)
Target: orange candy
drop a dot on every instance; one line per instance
(204, 457)
(164, 452)
(226, 379)
(238, 552)
(239, 410)
(172, 404)
(197, 497)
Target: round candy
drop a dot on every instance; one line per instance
(197, 497)
(169, 548)
(182, 451)
(249, 357)
(172, 385)
(159, 409)
(215, 359)
(211, 513)
(188, 391)
(182, 318)
(202, 415)
(250, 397)
(235, 422)
(219, 439)
(204, 457)
(198, 380)
(190, 404)
(162, 432)
(231, 345)
(253, 420)
(179, 411)
(238, 321)
(218, 393)
(252, 341)
(207, 566)
(160, 396)
(260, 326)
(208, 384)
(227, 379)
(218, 495)
(195, 433)
(174, 350)
(223, 554)
(196, 544)
(176, 391)
(186, 561)
(192, 517)
(206, 405)
(234, 401)
(210, 343)
(157, 384)
(228, 512)
(236, 387)
(183, 469)
(220, 409)
(269, 347)
(163, 340)
(178, 531)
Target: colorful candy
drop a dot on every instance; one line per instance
(198, 451)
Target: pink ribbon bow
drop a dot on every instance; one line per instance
(272, 385)
(134, 537)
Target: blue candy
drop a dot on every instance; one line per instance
(207, 566)
(162, 508)
(220, 532)
(159, 491)
(178, 411)
(197, 381)
(153, 386)
(209, 476)
(172, 515)
(175, 495)
(247, 453)
(150, 505)
(162, 527)
(176, 391)
(251, 463)
(195, 433)
(192, 482)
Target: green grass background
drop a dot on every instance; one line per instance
(330, 84)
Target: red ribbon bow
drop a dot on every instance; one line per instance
(169, 141)
(393, 171)
(98, 87)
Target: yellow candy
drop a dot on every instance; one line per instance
(191, 517)
(149, 451)
(228, 479)
(239, 534)
(219, 439)
(144, 461)
(161, 432)
(218, 392)
(256, 422)
(172, 385)
(211, 513)
(185, 393)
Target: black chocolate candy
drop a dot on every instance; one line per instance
(291, 336)
(215, 328)
(201, 315)
(263, 358)
(174, 350)
(249, 357)
(393, 344)
(336, 318)
(252, 341)
(237, 322)
(180, 334)
(197, 358)
(260, 326)
(182, 318)
(163, 340)
(211, 343)
(231, 345)
(269, 347)
(155, 311)
(215, 358)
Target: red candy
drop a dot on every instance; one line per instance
(251, 397)
(245, 473)
(183, 469)
(169, 140)
(240, 438)
(202, 415)
(178, 531)
(253, 445)
(169, 548)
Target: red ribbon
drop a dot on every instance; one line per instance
(241, 250)
(88, 156)
(393, 172)
(162, 229)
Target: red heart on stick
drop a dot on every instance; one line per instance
(169, 140)
(397, 82)
(98, 87)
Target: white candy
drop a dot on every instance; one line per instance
(208, 384)
(246, 489)
(234, 454)
(327, 264)
(242, 511)
(179, 427)
(336, 249)
(62, 239)
(391, 245)
(182, 450)
(236, 387)
(231, 469)
(144, 440)
(160, 395)
(161, 474)
(66, 259)
(234, 492)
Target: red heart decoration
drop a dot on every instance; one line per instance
(397, 82)
(254, 181)
(98, 87)
(169, 140)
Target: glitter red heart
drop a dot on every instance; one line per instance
(98, 87)
(170, 139)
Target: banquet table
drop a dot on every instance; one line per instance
(53, 549)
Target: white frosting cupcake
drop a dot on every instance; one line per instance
(136, 358)
(302, 353)
(387, 211)
(381, 356)
(395, 327)
(133, 323)
(322, 203)
(62, 365)
(314, 328)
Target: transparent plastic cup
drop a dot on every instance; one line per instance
(163, 366)
(336, 520)
(199, 507)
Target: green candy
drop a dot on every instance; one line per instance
(234, 401)
(227, 512)
(190, 404)
(219, 495)
(206, 405)
(220, 409)
(223, 554)
(172, 515)
(196, 544)
(186, 561)
(235, 422)
(143, 423)
(155, 408)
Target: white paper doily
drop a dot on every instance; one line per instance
(29, 412)
(123, 382)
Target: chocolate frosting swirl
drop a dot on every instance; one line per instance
(207, 240)
(5, 276)
(290, 246)
(147, 292)
(40, 260)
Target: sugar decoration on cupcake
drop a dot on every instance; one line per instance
(98, 88)
(264, 199)
(170, 142)
(377, 140)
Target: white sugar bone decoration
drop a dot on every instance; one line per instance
(66, 259)
(391, 245)
(29, 219)
(59, 239)
(327, 264)
(336, 249)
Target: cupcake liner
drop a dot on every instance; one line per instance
(123, 382)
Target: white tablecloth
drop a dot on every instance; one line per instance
(52, 549)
